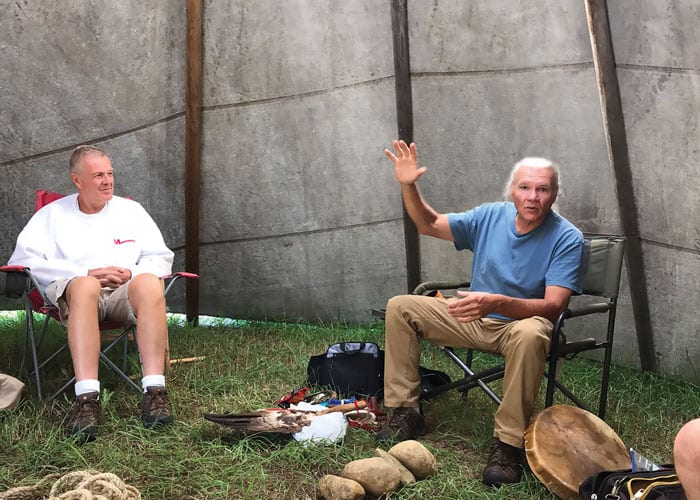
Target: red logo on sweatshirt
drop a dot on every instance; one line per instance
(121, 242)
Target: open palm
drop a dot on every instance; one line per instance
(405, 162)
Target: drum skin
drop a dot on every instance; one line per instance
(566, 444)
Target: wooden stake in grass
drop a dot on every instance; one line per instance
(187, 360)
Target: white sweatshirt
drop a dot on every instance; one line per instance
(61, 242)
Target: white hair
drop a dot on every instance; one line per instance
(532, 162)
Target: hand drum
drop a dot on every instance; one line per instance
(565, 444)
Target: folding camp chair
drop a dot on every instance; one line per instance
(603, 264)
(20, 283)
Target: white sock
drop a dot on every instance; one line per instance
(87, 385)
(152, 380)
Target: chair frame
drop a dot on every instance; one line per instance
(559, 347)
(22, 284)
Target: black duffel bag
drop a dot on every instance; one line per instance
(349, 368)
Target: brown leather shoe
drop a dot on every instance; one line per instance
(403, 424)
(504, 465)
(155, 407)
(84, 419)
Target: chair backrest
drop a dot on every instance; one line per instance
(604, 264)
(44, 197)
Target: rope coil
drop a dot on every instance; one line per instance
(78, 485)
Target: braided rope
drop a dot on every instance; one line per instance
(78, 485)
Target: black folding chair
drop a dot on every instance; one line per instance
(604, 255)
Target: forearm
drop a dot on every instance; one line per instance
(422, 214)
(476, 305)
(526, 308)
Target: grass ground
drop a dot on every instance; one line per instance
(253, 364)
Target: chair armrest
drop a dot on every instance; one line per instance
(437, 285)
(601, 307)
(379, 313)
(181, 274)
(18, 281)
(570, 349)
(13, 269)
(425, 287)
(176, 276)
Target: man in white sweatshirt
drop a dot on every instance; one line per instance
(101, 257)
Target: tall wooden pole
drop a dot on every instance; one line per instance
(404, 118)
(616, 137)
(193, 122)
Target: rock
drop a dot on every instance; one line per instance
(406, 475)
(376, 475)
(333, 487)
(415, 457)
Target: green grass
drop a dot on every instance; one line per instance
(250, 366)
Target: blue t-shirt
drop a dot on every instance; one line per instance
(519, 266)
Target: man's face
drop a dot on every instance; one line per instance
(533, 192)
(95, 182)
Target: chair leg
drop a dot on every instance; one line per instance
(29, 332)
(167, 354)
(468, 361)
(125, 352)
(481, 382)
(105, 359)
(124, 337)
(121, 374)
(551, 376)
(603, 402)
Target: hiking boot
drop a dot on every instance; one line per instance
(83, 421)
(504, 465)
(404, 423)
(155, 407)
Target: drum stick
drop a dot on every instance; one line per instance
(357, 405)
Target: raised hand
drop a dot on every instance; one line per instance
(405, 162)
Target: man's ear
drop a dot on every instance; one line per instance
(76, 180)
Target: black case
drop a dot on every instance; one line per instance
(623, 484)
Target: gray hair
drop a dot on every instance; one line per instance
(81, 151)
(534, 162)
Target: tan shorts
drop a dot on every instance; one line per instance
(113, 304)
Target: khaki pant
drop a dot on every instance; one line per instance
(524, 345)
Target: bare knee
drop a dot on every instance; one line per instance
(146, 288)
(686, 447)
(83, 288)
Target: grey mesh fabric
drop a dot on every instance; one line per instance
(604, 265)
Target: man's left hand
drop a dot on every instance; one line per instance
(471, 306)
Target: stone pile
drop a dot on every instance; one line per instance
(387, 471)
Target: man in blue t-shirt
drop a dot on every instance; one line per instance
(526, 265)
